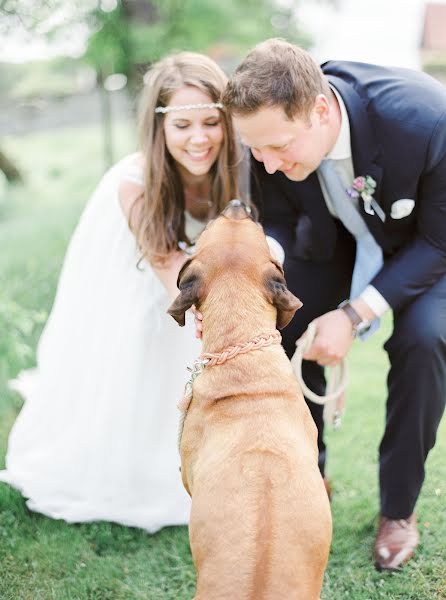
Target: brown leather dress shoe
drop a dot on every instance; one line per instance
(395, 542)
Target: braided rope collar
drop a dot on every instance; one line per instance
(209, 359)
(258, 342)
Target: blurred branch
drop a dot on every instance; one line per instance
(34, 15)
(10, 171)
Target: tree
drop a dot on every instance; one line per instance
(121, 33)
(125, 36)
(137, 32)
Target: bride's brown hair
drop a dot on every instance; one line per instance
(159, 224)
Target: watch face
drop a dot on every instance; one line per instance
(362, 327)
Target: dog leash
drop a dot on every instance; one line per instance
(333, 401)
(210, 359)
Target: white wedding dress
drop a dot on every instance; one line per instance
(97, 436)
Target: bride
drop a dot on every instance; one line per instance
(96, 438)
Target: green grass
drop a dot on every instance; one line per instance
(41, 559)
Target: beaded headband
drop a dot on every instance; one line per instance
(166, 109)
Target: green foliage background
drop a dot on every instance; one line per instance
(136, 33)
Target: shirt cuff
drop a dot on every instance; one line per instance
(276, 249)
(375, 301)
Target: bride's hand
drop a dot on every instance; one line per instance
(198, 320)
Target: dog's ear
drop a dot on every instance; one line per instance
(190, 287)
(280, 296)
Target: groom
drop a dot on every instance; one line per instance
(350, 177)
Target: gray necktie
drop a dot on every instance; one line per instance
(369, 256)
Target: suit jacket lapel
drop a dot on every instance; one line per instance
(365, 151)
(312, 203)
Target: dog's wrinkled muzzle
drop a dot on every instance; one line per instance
(237, 210)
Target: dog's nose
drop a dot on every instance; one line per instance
(236, 209)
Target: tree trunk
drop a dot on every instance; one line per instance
(10, 171)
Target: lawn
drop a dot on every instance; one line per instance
(41, 559)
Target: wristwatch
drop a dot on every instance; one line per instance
(359, 326)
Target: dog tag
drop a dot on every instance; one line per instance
(195, 370)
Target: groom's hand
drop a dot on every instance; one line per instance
(333, 339)
(198, 320)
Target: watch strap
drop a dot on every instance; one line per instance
(351, 313)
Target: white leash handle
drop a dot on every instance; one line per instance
(337, 378)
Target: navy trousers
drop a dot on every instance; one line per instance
(416, 380)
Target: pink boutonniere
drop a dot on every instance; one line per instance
(364, 187)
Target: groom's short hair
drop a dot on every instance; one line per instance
(275, 73)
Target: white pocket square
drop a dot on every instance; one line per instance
(402, 208)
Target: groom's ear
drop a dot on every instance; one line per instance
(190, 286)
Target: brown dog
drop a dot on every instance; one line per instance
(260, 525)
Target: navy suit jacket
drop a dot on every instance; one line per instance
(398, 136)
